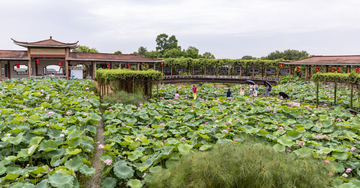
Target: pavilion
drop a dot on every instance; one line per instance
(327, 62)
(50, 56)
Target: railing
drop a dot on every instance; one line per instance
(220, 77)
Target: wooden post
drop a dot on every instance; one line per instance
(253, 71)
(310, 72)
(351, 95)
(348, 70)
(205, 71)
(240, 71)
(1, 72)
(317, 94)
(290, 70)
(119, 65)
(217, 71)
(278, 71)
(193, 71)
(154, 65)
(335, 93)
(29, 68)
(94, 70)
(306, 72)
(326, 71)
(138, 66)
(9, 70)
(265, 71)
(171, 71)
(67, 69)
(36, 70)
(162, 69)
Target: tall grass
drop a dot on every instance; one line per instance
(247, 165)
(124, 97)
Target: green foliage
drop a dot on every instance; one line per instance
(242, 165)
(289, 78)
(287, 55)
(47, 129)
(85, 49)
(208, 55)
(115, 74)
(124, 98)
(164, 42)
(248, 57)
(118, 52)
(142, 50)
(336, 77)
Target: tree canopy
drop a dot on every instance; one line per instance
(287, 55)
(164, 42)
(118, 52)
(142, 50)
(85, 49)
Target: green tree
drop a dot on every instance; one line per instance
(142, 50)
(173, 53)
(192, 52)
(85, 49)
(152, 54)
(287, 55)
(164, 43)
(248, 57)
(208, 55)
(118, 52)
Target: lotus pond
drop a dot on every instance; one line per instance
(46, 130)
(149, 137)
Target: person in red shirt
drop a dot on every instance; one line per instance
(194, 91)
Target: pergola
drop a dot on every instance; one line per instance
(51, 52)
(327, 61)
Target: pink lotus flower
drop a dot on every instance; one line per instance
(224, 131)
(8, 135)
(47, 98)
(301, 143)
(195, 138)
(276, 123)
(154, 139)
(162, 124)
(302, 117)
(62, 135)
(352, 149)
(85, 114)
(274, 111)
(235, 139)
(50, 113)
(224, 123)
(345, 175)
(318, 136)
(111, 110)
(137, 139)
(206, 123)
(140, 104)
(348, 170)
(182, 139)
(327, 161)
(281, 128)
(164, 141)
(292, 126)
(288, 150)
(108, 162)
(214, 127)
(101, 146)
(325, 136)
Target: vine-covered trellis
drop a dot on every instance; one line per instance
(351, 78)
(127, 80)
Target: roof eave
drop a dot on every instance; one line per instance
(312, 63)
(114, 60)
(72, 46)
(15, 59)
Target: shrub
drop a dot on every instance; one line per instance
(123, 97)
(241, 165)
(94, 87)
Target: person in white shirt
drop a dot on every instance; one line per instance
(176, 95)
(251, 90)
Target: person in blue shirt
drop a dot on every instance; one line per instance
(228, 94)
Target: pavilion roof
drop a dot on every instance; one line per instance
(327, 60)
(47, 43)
(13, 55)
(105, 57)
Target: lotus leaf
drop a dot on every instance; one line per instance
(123, 172)
(84, 169)
(60, 181)
(134, 183)
(108, 182)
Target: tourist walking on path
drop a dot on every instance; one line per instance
(194, 91)
(267, 90)
(255, 90)
(228, 94)
(177, 95)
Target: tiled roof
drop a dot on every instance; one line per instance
(109, 57)
(328, 60)
(13, 54)
(46, 43)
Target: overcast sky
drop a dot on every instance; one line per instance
(226, 28)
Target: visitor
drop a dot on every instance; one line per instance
(194, 91)
(228, 94)
(251, 88)
(256, 90)
(177, 95)
(242, 91)
(267, 93)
